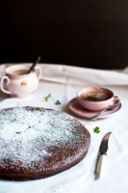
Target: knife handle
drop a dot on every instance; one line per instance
(100, 166)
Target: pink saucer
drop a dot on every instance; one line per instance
(75, 107)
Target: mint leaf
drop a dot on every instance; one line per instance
(96, 130)
(47, 97)
(57, 102)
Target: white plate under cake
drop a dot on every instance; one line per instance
(37, 142)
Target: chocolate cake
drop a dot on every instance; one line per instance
(37, 142)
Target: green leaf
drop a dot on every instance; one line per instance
(47, 97)
(57, 102)
(96, 130)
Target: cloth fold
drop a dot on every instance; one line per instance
(79, 76)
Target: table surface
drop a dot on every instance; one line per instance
(63, 82)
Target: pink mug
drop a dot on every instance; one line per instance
(17, 83)
(100, 98)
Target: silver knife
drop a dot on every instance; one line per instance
(102, 154)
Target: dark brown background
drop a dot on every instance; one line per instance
(90, 33)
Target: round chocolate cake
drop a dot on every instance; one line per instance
(37, 142)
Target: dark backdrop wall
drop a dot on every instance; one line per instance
(90, 33)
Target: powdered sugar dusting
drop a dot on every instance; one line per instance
(26, 134)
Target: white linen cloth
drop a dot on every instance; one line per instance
(63, 82)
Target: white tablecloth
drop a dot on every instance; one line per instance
(63, 82)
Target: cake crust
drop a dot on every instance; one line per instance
(37, 142)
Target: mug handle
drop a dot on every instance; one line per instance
(38, 72)
(2, 84)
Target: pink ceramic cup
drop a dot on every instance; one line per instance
(95, 99)
(17, 83)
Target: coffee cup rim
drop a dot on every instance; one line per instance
(18, 67)
(100, 88)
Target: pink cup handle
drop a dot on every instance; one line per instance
(2, 84)
(38, 72)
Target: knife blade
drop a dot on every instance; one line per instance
(101, 155)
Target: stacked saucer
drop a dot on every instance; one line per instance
(95, 103)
